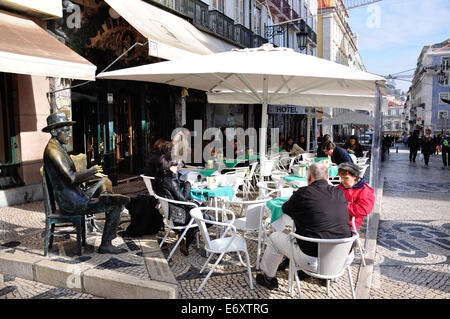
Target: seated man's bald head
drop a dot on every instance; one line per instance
(317, 171)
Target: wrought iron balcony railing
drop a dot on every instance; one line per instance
(258, 40)
(242, 36)
(221, 24)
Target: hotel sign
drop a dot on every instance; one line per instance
(285, 109)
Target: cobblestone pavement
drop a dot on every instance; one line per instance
(413, 244)
(21, 232)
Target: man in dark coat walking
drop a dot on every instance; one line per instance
(413, 144)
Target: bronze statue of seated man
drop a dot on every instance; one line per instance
(66, 182)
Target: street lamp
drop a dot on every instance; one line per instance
(301, 40)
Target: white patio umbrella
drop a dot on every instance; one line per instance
(350, 117)
(264, 75)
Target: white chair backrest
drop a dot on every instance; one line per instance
(239, 171)
(268, 188)
(332, 253)
(254, 213)
(365, 153)
(266, 167)
(148, 183)
(252, 171)
(197, 215)
(363, 169)
(361, 160)
(308, 156)
(165, 206)
(285, 192)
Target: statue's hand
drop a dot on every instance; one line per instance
(98, 168)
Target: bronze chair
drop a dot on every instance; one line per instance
(54, 218)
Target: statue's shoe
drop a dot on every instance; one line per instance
(111, 250)
(114, 199)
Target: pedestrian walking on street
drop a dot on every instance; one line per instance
(445, 149)
(413, 144)
(427, 149)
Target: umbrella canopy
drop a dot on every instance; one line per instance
(350, 117)
(264, 75)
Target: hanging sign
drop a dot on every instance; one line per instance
(285, 109)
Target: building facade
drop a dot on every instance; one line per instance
(125, 118)
(339, 44)
(430, 87)
(293, 24)
(393, 117)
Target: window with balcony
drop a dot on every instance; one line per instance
(443, 115)
(257, 20)
(239, 11)
(443, 96)
(445, 63)
(219, 5)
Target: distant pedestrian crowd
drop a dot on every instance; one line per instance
(428, 146)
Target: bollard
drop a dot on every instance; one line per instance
(396, 149)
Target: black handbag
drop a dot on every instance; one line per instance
(178, 214)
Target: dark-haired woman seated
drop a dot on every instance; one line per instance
(353, 146)
(168, 186)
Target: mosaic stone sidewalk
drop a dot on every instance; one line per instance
(413, 244)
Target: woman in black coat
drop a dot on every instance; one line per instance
(167, 185)
(427, 149)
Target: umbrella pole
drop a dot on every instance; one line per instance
(263, 136)
(308, 128)
(375, 157)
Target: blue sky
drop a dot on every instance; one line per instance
(392, 33)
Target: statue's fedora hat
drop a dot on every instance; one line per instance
(56, 120)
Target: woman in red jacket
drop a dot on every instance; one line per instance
(360, 196)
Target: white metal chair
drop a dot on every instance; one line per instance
(233, 180)
(306, 156)
(253, 221)
(363, 169)
(223, 245)
(164, 202)
(358, 241)
(247, 187)
(333, 258)
(148, 183)
(268, 188)
(265, 168)
(365, 153)
(361, 160)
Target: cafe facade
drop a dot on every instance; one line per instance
(32, 64)
(118, 121)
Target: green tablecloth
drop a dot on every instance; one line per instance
(318, 159)
(207, 172)
(220, 191)
(275, 205)
(230, 163)
(291, 178)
